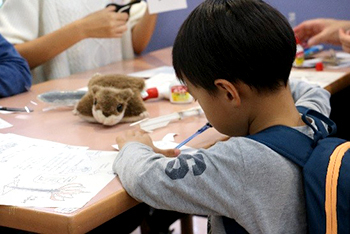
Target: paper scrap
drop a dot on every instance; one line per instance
(168, 143)
(169, 137)
(4, 124)
(158, 6)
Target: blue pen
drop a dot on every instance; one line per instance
(202, 129)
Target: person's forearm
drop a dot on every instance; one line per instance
(44, 48)
(142, 32)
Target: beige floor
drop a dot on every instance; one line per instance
(199, 226)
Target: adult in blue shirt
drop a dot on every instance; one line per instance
(15, 76)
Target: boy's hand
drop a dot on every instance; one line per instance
(144, 138)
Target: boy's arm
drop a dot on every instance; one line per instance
(231, 173)
(15, 76)
(174, 183)
(311, 96)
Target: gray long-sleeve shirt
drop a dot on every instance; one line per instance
(239, 178)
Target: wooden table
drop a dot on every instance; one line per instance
(338, 85)
(341, 83)
(60, 125)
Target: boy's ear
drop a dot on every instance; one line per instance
(229, 90)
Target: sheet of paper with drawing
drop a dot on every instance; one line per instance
(47, 174)
(158, 6)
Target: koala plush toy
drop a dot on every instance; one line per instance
(112, 99)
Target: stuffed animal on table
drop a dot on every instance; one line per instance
(112, 99)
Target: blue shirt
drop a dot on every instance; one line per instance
(15, 76)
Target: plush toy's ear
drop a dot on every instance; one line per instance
(96, 75)
(125, 94)
(95, 89)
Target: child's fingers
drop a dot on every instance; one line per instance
(120, 142)
(132, 133)
(167, 152)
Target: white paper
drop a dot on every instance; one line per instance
(4, 124)
(162, 81)
(154, 71)
(158, 6)
(314, 77)
(47, 174)
(161, 121)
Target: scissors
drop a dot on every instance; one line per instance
(123, 8)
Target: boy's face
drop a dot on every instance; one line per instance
(218, 111)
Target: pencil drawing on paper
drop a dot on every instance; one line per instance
(57, 194)
(40, 173)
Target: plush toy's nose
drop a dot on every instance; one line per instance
(105, 114)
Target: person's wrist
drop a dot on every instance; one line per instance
(79, 30)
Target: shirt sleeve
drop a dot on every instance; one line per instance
(136, 13)
(19, 20)
(15, 76)
(187, 183)
(238, 178)
(311, 96)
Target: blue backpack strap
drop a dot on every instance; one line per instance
(291, 144)
(286, 141)
(320, 121)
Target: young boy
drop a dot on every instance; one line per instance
(235, 56)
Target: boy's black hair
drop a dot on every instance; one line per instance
(236, 40)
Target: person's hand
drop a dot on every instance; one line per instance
(318, 31)
(105, 23)
(144, 138)
(344, 37)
